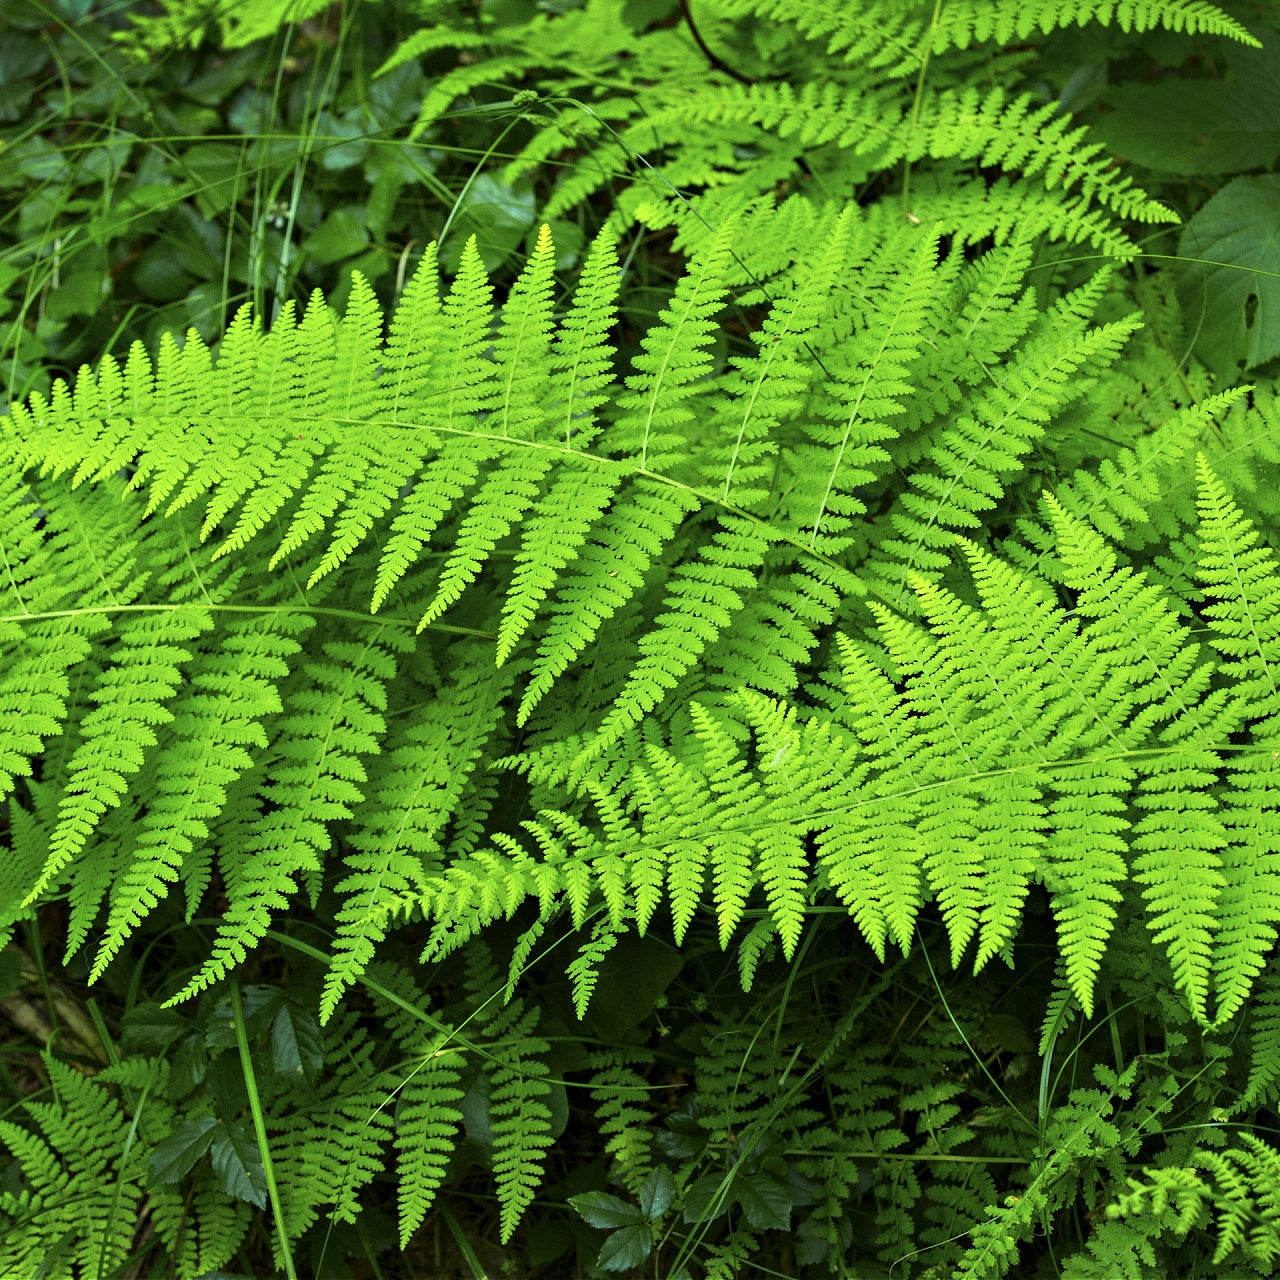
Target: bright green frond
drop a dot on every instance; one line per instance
(970, 22)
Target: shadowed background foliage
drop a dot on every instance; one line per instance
(651, 645)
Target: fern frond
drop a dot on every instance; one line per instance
(523, 351)
(1084, 849)
(363, 470)
(468, 390)
(966, 468)
(428, 39)
(864, 120)
(1126, 489)
(329, 726)
(1243, 580)
(1081, 1129)
(1010, 822)
(518, 1090)
(426, 1120)
(34, 688)
(583, 971)
(879, 34)
(86, 1174)
(564, 516)
(609, 569)
(1264, 1020)
(503, 69)
(131, 698)
(1179, 862)
(619, 1092)
(1240, 1189)
(968, 24)
(870, 376)
(326, 1153)
(704, 597)
(231, 694)
(868, 854)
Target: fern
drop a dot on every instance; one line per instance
(735, 140)
(86, 1171)
(1247, 1220)
(1082, 1130)
(971, 23)
(857, 35)
(1245, 627)
(326, 713)
(869, 596)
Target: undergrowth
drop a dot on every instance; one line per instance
(642, 638)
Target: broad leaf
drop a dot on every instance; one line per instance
(259, 1004)
(176, 1155)
(766, 1203)
(238, 1165)
(1199, 126)
(496, 214)
(626, 1248)
(657, 1193)
(704, 1201)
(1230, 291)
(631, 979)
(296, 1049)
(605, 1211)
(147, 1028)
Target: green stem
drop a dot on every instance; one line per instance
(915, 111)
(260, 1127)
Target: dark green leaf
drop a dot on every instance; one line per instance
(657, 1193)
(204, 243)
(1230, 291)
(160, 276)
(259, 1004)
(602, 1210)
(10, 973)
(336, 155)
(640, 14)
(394, 98)
(632, 977)
(189, 1066)
(1192, 126)
(626, 1248)
(176, 1155)
(1010, 1033)
(506, 13)
(766, 1203)
(131, 210)
(704, 1200)
(296, 1048)
(474, 1109)
(569, 242)
(389, 171)
(147, 1028)
(215, 166)
(558, 1101)
(202, 309)
(104, 163)
(497, 215)
(339, 236)
(31, 159)
(548, 1240)
(225, 1085)
(238, 1164)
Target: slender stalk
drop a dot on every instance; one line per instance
(260, 1127)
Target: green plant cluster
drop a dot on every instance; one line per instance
(642, 638)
